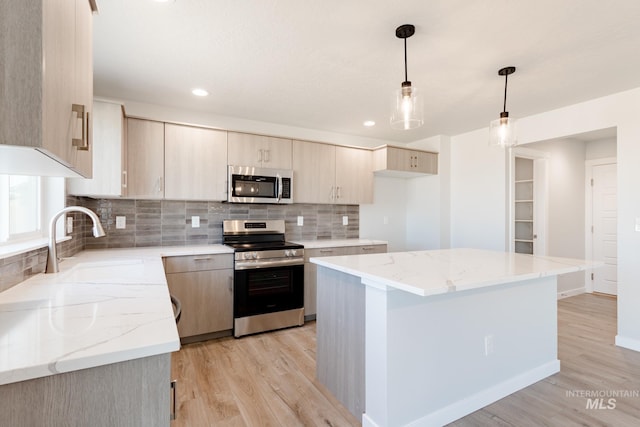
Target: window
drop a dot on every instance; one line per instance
(20, 207)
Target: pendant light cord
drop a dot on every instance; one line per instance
(504, 105)
(405, 62)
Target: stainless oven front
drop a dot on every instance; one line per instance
(268, 293)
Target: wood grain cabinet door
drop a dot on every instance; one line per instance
(145, 159)
(195, 163)
(206, 298)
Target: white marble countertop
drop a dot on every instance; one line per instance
(449, 270)
(103, 307)
(320, 244)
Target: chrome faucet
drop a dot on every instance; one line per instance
(52, 259)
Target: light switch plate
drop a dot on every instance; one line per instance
(300, 220)
(637, 224)
(69, 225)
(385, 220)
(345, 220)
(121, 222)
(195, 221)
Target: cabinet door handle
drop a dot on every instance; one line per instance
(174, 399)
(159, 184)
(81, 143)
(202, 258)
(260, 156)
(231, 284)
(333, 193)
(124, 179)
(367, 248)
(326, 251)
(267, 156)
(338, 195)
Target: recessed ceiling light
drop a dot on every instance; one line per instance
(369, 123)
(164, 1)
(199, 92)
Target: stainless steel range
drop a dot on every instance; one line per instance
(268, 276)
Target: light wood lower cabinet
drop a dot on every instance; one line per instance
(311, 270)
(204, 286)
(131, 393)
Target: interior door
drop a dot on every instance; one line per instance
(605, 226)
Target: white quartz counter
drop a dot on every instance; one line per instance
(103, 307)
(338, 243)
(449, 270)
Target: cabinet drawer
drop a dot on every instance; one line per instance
(310, 253)
(368, 249)
(177, 264)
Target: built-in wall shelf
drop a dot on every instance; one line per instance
(523, 206)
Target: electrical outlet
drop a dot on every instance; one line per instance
(300, 220)
(345, 220)
(121, 222)
(69, 225)
(385, 220)
(488, 345)
(637, 224)
(195, 221)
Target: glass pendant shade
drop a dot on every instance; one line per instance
(503, 131)
(406, 108)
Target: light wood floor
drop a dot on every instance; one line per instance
(269, 379)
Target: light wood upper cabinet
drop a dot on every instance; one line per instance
(37, 101)
(403, 162)
(354, 176)
(259, 151)
(314, 173)
(145, 159)
(109, 179)
(327, 173)
(195, 163)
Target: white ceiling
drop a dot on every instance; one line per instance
(331, 64)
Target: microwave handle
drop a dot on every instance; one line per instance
(279, 188)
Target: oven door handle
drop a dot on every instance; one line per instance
(249, 265)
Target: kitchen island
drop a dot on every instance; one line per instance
(424, 338)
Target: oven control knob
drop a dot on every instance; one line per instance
(247, 255)
(254, 255)
(292, 252)
(287, 252)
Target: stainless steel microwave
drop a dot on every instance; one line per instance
(249, 184)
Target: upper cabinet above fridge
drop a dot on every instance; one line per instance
(46, 110)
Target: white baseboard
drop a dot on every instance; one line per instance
(368, 422)
(479, 400)
(571, 292)
(626, 342)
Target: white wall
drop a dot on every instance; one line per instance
(478, 188)
(478, 192)
(600, 149)
(390, 202)
(565, 204)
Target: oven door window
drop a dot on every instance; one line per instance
(266, 290)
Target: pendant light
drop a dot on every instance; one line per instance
(406, 103)
(502, 131)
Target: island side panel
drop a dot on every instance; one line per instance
(340, 329)
(134, 393)
(428, 359)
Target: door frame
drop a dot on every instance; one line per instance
(541, 196)
(588, 214)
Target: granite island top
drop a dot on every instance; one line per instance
(435, 272)
(103, 307)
